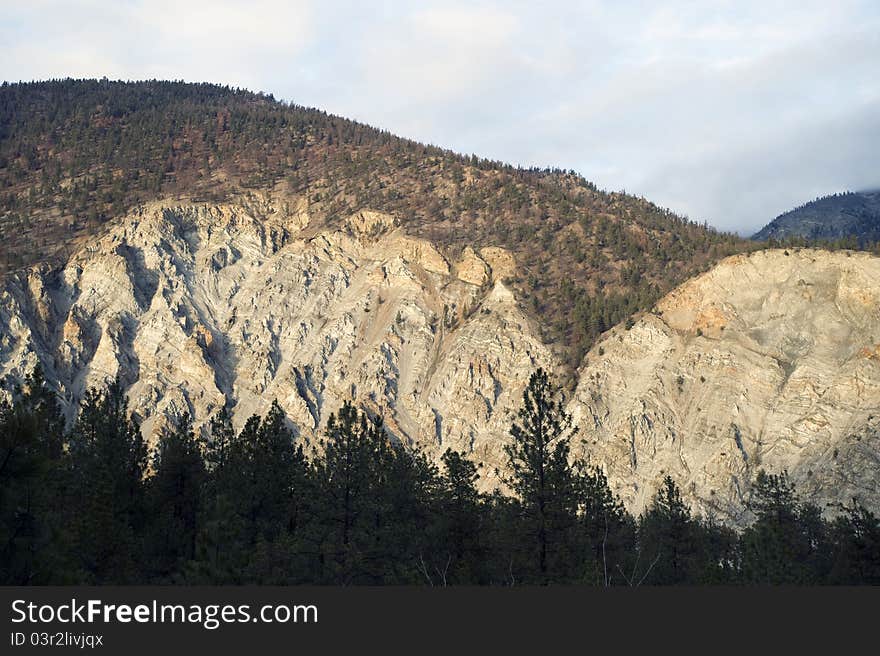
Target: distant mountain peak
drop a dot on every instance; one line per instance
(837, 216)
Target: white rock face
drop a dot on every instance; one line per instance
(770, 360)
(194, 307)
(767, 361)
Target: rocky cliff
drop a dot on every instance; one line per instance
(196, 306)
(768, 360)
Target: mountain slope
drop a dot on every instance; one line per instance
(851, 214)
(195, 307)
(213, 247)
(770, 360)
(76, 155)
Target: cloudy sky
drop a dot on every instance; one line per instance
(729, 112)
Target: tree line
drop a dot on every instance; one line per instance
(92, 505)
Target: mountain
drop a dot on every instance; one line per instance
(770, 360)
(212, 248)
(836, 217)
(195, 307)
(77, 155)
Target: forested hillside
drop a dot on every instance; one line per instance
(852, 219)
(75, 154)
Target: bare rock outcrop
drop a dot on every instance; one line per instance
(195, 307)
(767, 361)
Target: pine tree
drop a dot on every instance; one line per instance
(217, 444)
(354, 445)
(669, 538)
(175, 499)
(279, 468)
(540, 472)
(605, 537)
(460, 518)
(787, 542)
(461, 506)
(32, 498)
(108, 458)
(403, 491)
(221, 548)
(856, 540)
(258, 485)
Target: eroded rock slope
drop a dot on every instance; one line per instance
(770, 360)
(196, 306)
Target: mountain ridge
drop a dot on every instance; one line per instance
(244, 250)
(769, 360)
(848, 215)
(75, 155)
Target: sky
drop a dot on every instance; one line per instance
(728, 112)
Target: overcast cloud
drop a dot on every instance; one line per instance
(729, 112)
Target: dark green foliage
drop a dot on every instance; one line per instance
(373, 517)
(349, 486)
(788, 541)
(221, 531)
(605, 537)
(681, 549)
(461, 522)
(256, 495)
(106, 466)
(856, 538)
(31, 484)
(246, 507)
(541, 474)
(175, 500)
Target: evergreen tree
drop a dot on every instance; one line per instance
(354, 446)
(263, 484)
(606, 536)
(32, 496)
(787, 541)
(856, 539)
(403, 490)
(175, 499)
(278, 467)
(507, 562)
(541, 475)
(460, 520)
(108, 460)
(669, 537)
(221, 544)
(217, 445)
(252, 509)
